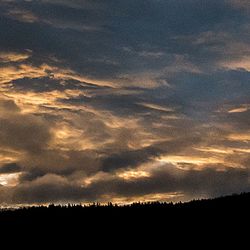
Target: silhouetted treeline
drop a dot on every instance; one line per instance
(234, 205)
(141, 222)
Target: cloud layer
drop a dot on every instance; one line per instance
(123, 100)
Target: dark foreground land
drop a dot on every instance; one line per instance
(228, 208)
(221, 219)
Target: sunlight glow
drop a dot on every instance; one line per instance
(9, 179)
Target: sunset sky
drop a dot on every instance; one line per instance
(123, 100)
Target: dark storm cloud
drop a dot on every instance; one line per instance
(22, 132)
(49, 84)
(133, 158)
(10, 168)
(205, 183)
(122, 104)
(129, 158)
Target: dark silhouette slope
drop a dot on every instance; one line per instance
(209, 221)
(233, 207)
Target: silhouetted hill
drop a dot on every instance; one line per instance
(233, 206)
(206, 220)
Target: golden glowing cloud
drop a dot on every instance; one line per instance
(9, 179)
(243, 63)
(156, 107)
(8, 155)
(223, 150)
(67, 138)
(13, 57)
(241, 109)
(31, 102)
(154, 197)
(195, 160)
(133, 174)
(10, 73)
(239, 137)
(212, 157)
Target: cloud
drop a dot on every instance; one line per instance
(129, 158)
(13, 57)
(23, 132)
(156, 107)
(166, 180)
(241, 4)
(238, 110)
(10, 168)
(242, 63)
(123, 100)
(22, 15)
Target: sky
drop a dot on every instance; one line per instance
(123, 100)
